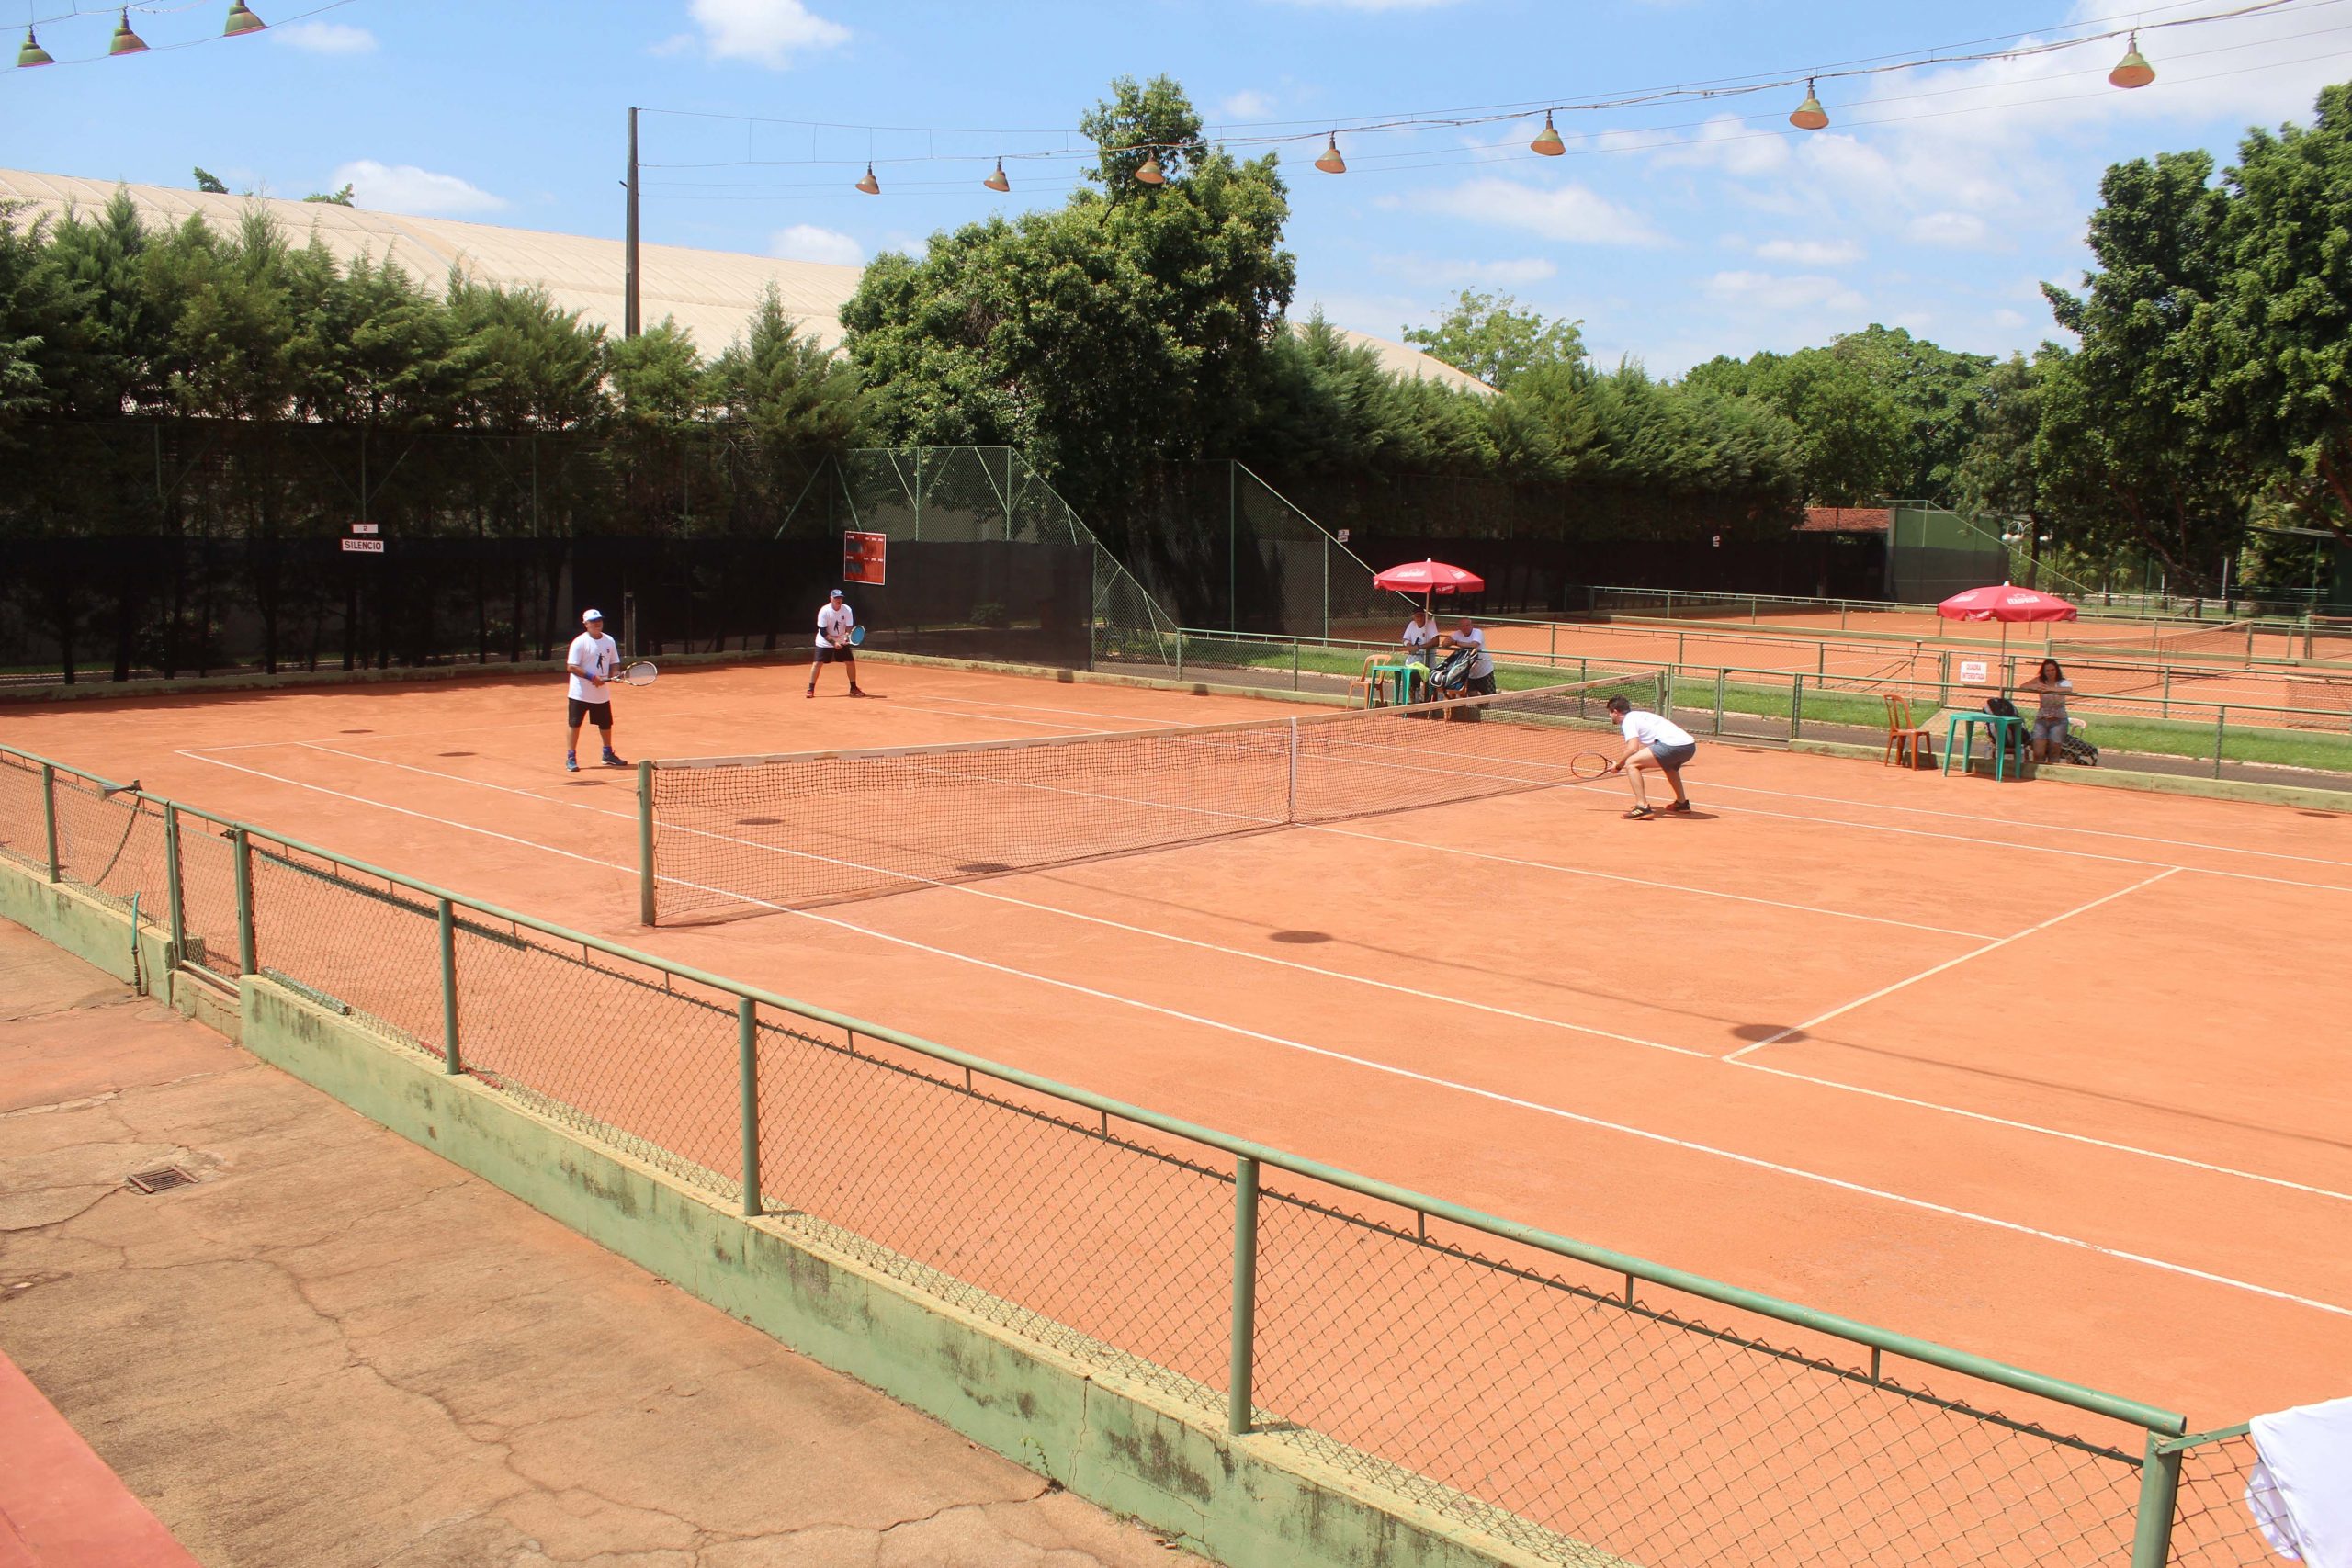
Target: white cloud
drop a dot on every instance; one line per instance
(1810, 253)
(1723, 143)
(1452, 271)
(2008, 319)
(404, 188)
(1248, 104)
(1571, 214)
(1959, 230)
(1778, 291)
(765, 32)
(324, 37)
(807, 241)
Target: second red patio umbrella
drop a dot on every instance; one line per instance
(1428, 579)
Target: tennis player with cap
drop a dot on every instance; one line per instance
(591, 661)
(1651, 741)
(834, 623)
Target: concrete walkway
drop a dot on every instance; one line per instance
(335, 1349)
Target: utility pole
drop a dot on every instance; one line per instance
(632, 283)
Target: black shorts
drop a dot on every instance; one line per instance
(601, 713)
(843, 654)
(1482, 685)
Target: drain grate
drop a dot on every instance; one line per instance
(162, 1178)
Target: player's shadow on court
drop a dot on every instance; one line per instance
(1780, 1034)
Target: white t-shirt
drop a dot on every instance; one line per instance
(835, 617)
(1476, 640)
(599, 654)
(1648, 730)
(1420, 634)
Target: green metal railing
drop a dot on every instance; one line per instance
(1563, 1396)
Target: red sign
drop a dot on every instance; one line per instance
(862, 556)
(363, 547)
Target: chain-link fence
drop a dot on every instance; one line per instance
(1586, 1407)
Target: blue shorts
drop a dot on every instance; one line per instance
(1674, 756)
(2050, 730)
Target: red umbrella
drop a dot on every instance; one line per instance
(2005, 605)
(1428, 577)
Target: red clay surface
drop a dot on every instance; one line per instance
(60, 1505)
(2051, 1074)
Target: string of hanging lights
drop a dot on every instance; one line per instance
(241, 21)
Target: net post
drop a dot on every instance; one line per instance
(49, 815)
(450, 1063)
(172, 880)
(242, 844)
(645, 901)
(2159, 1495)
(747, 1074)
(1240, 1403)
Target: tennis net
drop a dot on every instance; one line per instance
(2226, 636)
(725, 837)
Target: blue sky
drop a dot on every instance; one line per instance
(1673, 233)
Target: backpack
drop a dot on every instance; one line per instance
(2001, 707)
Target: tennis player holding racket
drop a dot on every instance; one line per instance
(1651, 741)
(836, 642)
(591, 661)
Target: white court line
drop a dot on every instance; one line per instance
(1266, 958)
(1949, 963)
(2040, 826)
(2013, 1226)
(1643, 881)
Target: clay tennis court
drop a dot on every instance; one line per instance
(2044, 1073)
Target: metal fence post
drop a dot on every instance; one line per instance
(647, 907)
(1294, 661)
(747, 1072)
(2165, 711)
(243, 847)
(1552, 644)
(49, 813)
(172, 880)
(1719, 702)
(1240, 1406)
(1796, 706)
(2221, 727)
(1943, 680)
(1290, 790)
(450, 1062)
(2159, 1492)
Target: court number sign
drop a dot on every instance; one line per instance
(864, 557)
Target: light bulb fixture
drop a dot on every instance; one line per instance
(1331, 163)
(1149, 173)
(2132, 70)
(1809, 115)
(241, 21)
(31, 54)
(869, 184)
(125, 40)
(1547, 141)
(996, 181)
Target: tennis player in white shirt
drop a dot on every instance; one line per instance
(1651, 741)
(834, 623)
(591, 663)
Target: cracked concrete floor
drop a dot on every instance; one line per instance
(339, 1351)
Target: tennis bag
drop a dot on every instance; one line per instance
(2076, 748)
(1452, 677)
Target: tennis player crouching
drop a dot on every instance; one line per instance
(1651, 741)
(591, 663)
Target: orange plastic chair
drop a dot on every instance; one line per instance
(1368, 682)
(1908, 743)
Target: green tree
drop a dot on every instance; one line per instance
(209, 183)
(1934, 389)
(2138, 446)
(531, 365)
(343, 197)
(657, 376)
(1853, 435)
(780, 383)
(1491, 338)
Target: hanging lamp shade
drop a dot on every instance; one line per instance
(2132, 70)
(1331, 163)
(31, 54)
(869, 184)
(125, 40)
(241, 21)
(1809, 115)
(1547, 141)
(996, 181)
(1149, 173)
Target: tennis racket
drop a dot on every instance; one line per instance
(1590, 765)
(640, 673)
(857, 636)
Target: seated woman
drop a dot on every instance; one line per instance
(2048, 738)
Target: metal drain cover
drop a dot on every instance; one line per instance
(162, 1178)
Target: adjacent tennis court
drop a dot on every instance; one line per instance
(2028, 1071)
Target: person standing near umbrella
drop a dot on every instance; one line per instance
(1420, 634)
(2050, 686)
(1479, 678)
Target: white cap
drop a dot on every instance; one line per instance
(837, 593)
(588, 616)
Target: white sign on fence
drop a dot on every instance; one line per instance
(364, 528)
(1344, 535)
(1974, 672)
(363, 547)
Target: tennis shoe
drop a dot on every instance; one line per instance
(1640, 814)
(614, 759)
(1677, 806)
(571, 762)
